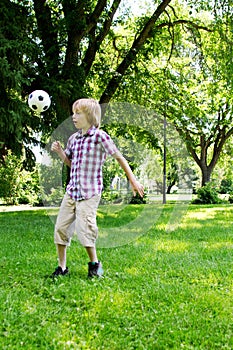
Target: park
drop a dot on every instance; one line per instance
(161, 72)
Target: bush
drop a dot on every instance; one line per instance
(111, 196)
(230, 199)
(207, 195)
(55, 196)
(18, 186)
(137, 199)
(9, 178)
(226, 186)
(29, 188)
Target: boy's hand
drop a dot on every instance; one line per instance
(56, 147)
(137, 188)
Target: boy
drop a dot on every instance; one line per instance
(85, 154)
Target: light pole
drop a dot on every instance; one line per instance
(164, 158)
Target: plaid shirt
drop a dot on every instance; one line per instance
(87, 153)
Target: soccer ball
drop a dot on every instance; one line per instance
(39, 101)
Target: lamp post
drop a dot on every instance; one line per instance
(164, 158)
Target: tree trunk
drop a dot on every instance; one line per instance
(206, 172)
(214, 143)
(169, 186)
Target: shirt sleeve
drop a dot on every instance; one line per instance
(108, 144)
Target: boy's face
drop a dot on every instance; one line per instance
(80, 120)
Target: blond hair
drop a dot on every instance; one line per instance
(91, 108)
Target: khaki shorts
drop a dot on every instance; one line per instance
(77, 217)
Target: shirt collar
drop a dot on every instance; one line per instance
(89, 132)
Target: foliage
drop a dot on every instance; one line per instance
(207, 195)
(166, 290)
(52, 182)
(16, 49)
(226, 186)
(111, 196)
(138, 199)
(54, 46)
(184, 83)
(54, 197)
(29, 192)
(111, 169)
(17, 185)
(165, 59)
(10, 175)
(230, 199)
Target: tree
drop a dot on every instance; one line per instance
(14, 47)
(204, 106)
(64, 48)
(189, 87)
(62, 43)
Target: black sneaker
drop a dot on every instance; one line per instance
(95, 270)
(59, 272)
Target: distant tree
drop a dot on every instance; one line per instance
(202, 107)
(191, 84)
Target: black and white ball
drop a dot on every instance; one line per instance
(39, 101)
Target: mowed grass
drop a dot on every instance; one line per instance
(166, 289)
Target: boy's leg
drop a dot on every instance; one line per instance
(91, 251)
(86, 226)
(62, 233)
(95, 268)
(61, 253)
(87, 230)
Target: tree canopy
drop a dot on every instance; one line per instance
(160, 58)
(190, 82)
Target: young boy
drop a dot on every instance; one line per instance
(85, 154)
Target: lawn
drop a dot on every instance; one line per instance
(166, 286)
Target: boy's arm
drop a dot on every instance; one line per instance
(56, 147)
(136, 186)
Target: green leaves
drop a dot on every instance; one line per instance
(170, 62)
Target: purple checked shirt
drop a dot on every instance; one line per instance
(87, 154)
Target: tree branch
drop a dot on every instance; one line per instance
(171, 32)
(129, 58)
(101, 4)
(189, 144)
(96, 40)
(78, 25)
(183, 21)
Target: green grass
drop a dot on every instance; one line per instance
(166, 289)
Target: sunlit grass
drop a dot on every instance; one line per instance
(166, 289)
